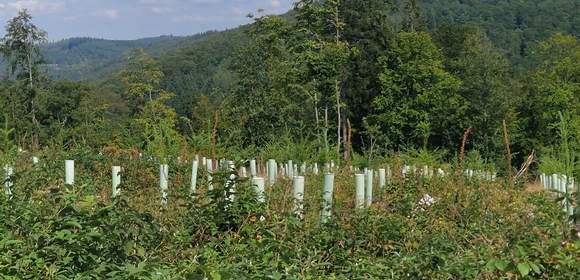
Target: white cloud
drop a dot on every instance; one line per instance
(275, 3)
(34, 6)
(205, 1)
(109, 13)
(160, 10)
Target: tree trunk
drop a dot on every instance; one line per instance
(347, 134)
(338, 116)
(35, 125)
(326, 150)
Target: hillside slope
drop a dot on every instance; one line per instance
(90, 59)
(513, 26)
(87, 59)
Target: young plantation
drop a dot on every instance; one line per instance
(118, 215)
(345, 139)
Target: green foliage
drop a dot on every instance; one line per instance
(56, 234)
(157, 123)
(19, 46)
(73, 236)
(486, 85)
(266, 97)
(142, 75)
(419, 102)
(553, 101)
(421, 157)
(280, 88)
(515, 27)
(8, 150)
(91, 59)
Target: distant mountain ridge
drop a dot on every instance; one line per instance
(89, 59)
(513, 26)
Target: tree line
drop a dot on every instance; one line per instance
(337, 78)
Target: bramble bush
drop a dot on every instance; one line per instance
(53, 231)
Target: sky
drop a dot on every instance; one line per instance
(133, 19)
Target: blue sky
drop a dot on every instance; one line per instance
(132, 19)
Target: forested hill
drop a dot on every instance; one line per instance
(88, 59)
(513, 26)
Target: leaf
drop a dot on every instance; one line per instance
(501, 265)
(215, 275)
(74, 224)
(141, 252)
(524, 269)
(535, 268)
(128, 247)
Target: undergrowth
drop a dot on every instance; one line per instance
(51, 231)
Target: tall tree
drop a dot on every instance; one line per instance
(370, 29)
(412, 20)
(142, 79)
(554, 87)
(419, 102)
(325, 52)
(155, 119)
(267, 96)
(20, 48)
(486, 84)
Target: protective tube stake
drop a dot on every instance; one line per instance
(69, 172)
(253, 170)
(327, 196)
(298, 196)
(272, 170)
(164, 182)
(194, 167)
(360, 190)
(569, 190)
(369, 185)
(116, 176)
(8, 172)
(554, 181)
(231, 180)
(258, 182)
(290, 169)
(382, 178)
(209, 166)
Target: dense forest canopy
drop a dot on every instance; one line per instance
(344, 79)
